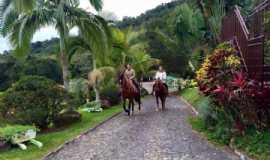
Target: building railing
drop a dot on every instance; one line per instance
(250, 46)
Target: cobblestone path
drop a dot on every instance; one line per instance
(148, 135)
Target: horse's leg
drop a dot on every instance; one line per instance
(132, 105)
(138, 99)
(124, 104)
(129, 106)
(157, 103)
(163, 99)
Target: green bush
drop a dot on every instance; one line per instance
(211, 120)
(33, 100)
(79, 89)
(111, 92)
(67, 118)
(219, 133)
(144, 92)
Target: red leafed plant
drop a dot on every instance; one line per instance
(239, 80)
(242, 98)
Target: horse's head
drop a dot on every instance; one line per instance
(159, 86)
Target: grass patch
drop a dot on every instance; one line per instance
(257, 145)
(216, 134)
(254, 144)
(194, 97)
(53, 140)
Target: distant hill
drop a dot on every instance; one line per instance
(159, 12)
(45, 47)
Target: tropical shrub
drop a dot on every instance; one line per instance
(183, 84)
(144, 92)
(79, 89)
(218, 68)
(238, 98)
(111, 93)
(66, 118)
(34, 100)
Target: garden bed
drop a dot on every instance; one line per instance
(254, 144)
(53, 140)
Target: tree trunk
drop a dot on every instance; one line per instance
(206, 18)
(65, 71)
(64, 60)
(95, 87)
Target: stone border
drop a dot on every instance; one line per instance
(79, 136)
(241, 155)
(190, 105)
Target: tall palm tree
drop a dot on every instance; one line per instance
(81, 45)
(129, 48)
(22, 18)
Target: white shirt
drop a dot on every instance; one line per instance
(161, 76)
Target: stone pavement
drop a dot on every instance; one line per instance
(148, 135)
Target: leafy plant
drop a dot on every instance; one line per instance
(34, 100)
(233, 92)
(9, 131)
(93, 106)
(80, 90)
(111, 92)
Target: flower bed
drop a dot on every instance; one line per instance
(238, 99)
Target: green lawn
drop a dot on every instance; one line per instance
(194, 97)
(53, 140)
(254, 144)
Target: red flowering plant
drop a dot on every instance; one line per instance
(218, 68)
(241, 98)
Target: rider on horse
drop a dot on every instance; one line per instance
(131, 74)
(160, 75)
(130, 89)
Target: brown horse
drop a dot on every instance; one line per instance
(161, 92)
(131, 93)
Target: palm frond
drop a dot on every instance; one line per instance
(97, 4)
(24, 28)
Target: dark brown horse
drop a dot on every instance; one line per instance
(131, 93)
(161, 92)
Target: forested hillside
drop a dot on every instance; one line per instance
(182, 32)
(175, 33)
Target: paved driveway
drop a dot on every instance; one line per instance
(148, 135)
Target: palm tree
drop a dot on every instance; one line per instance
(22, 18)
(213, 11)
(80, 45)
(129, 48)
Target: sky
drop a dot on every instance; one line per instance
(121, 8)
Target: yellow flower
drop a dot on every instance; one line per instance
(232, 61)
(201, 74)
